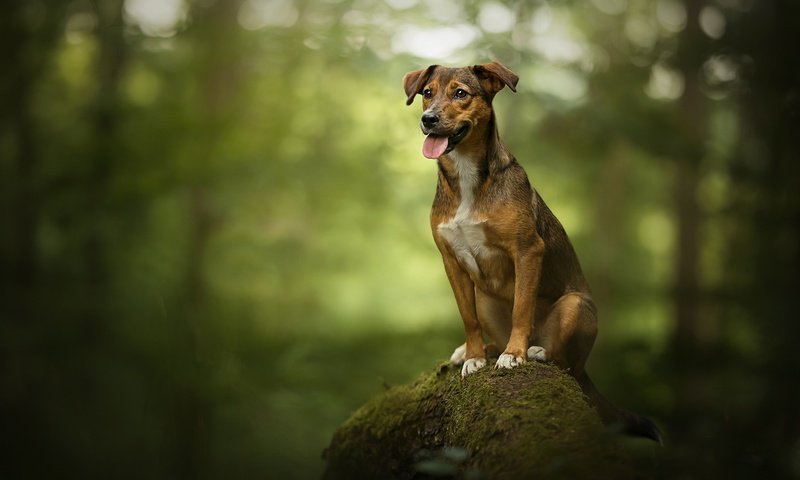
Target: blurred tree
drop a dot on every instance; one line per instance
(691, 338)
(216, 59)
(104, 156)
(764, 258)
(28, 33)
(213, 209)
(692, 52)
(724, 400)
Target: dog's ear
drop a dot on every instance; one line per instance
(414, 81)
(494, 76)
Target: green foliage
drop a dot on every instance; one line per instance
(215, 236)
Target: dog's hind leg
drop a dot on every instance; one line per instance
(567, 333)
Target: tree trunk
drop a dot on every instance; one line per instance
(25, 49)
(693, 118)
(691, 336)
(103, 158)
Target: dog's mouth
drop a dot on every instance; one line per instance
(435, 145)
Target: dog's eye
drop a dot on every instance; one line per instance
(461, 93)
(427, 93)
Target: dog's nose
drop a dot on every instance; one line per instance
(429, 120)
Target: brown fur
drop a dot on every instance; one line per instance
(514, 273)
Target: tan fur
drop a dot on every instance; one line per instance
(499, 298)
(514, 273)
(512, 268)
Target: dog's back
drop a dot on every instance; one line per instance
(514, 272)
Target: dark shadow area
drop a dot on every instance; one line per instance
(215, 240)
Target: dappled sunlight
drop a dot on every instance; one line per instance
(496, 18)
(565, 84)
(712, 21)
(160, 18)
(258, 14)
(556, 37)
(665, 83)
(433, 43)
(671, 15)
(218, 233)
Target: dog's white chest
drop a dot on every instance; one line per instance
(464, 232)
(467, 239)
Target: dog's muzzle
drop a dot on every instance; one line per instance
(438, 143)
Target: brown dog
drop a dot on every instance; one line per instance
(512, 268)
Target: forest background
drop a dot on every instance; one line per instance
(215, 239)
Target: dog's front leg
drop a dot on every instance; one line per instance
(527, 269)
(464, 291)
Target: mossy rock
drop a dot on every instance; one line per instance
(529, 422)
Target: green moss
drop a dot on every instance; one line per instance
(384, 436)
(531, 420)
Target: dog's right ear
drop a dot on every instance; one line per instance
(414, 81)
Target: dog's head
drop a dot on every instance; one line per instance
(455, 101)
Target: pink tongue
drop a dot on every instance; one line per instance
(434, 146)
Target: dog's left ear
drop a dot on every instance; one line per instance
(414, 81)
(494, 76)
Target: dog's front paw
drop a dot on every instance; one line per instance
(459, 355)
(509, 360)
(472, 365)
(537, 353)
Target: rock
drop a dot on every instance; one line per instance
(528, 422)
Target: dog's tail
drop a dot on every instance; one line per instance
(628, 422)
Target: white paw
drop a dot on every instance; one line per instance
(472, 365)
(507, 360)
(459, 354)
(537, 353)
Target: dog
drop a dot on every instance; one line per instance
(513, 271)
